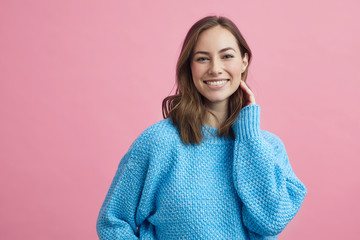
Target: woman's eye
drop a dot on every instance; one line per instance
(228, 56)
(201, 59)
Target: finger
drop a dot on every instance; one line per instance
(245, 87)
(248, 93)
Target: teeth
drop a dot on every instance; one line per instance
(216, 83)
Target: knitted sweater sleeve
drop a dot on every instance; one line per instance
(263, 177)
(119, 214)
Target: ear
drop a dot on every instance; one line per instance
(245, 62)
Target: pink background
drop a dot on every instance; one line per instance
(80, 80)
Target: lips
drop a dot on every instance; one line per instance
(216, 80)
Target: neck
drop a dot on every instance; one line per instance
(220, 110)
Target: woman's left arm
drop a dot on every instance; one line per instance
(269, 189)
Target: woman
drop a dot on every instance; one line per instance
(206, 171)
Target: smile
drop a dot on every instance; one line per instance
(216, 83)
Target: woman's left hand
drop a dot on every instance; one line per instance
(248, 94)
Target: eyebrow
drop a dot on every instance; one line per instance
(222, 50)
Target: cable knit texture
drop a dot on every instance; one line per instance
(221, 189)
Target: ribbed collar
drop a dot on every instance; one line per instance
(208, 138)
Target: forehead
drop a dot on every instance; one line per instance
(215, 38)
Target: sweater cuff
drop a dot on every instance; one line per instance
(247, 125)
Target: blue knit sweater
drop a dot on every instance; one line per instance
(221, 189)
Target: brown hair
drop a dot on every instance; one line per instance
(186, 108)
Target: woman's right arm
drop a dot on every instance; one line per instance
(118, 215)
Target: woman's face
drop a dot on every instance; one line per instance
(217, 65)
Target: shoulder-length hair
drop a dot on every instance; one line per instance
(186, 108)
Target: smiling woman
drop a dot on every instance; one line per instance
(214, 60)
(207, 170)
(217, 67)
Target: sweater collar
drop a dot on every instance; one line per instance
(210, 136)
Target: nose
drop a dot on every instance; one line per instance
(215, 67)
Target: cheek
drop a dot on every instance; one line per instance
(197, 71)
(235, 69)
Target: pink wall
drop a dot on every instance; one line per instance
(80, 80)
